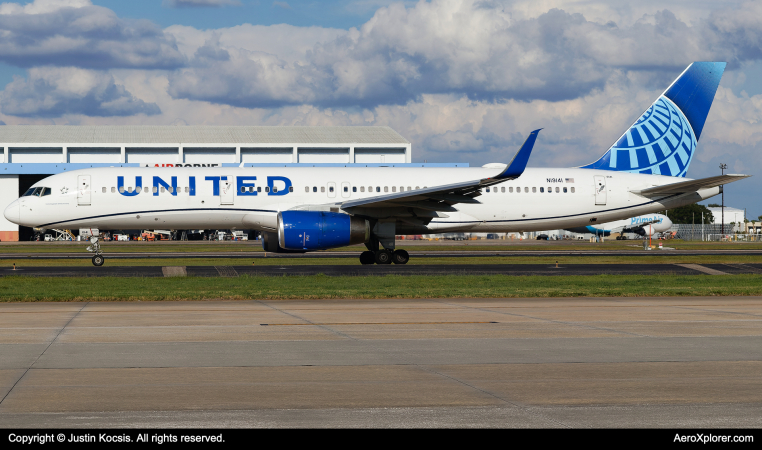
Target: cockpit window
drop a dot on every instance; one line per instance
(38, 192)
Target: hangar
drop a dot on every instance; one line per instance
(33, 152)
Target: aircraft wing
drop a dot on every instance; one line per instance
(441, 198)
(691, 185)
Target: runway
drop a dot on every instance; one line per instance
(380, 270)
(564, 362)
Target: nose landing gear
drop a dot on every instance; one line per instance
(95, 247)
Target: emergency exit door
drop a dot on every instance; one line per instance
(83, 190)
(227, 190)
(600, 190)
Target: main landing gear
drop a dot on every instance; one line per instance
(384, 257)
(95, 247)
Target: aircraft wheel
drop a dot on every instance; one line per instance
(400, 257)
(98, 260)
(367, 257)
(383, 257)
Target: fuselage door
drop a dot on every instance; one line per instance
(227, 190)
(331, 189)
(83, 190)
(345, 189)
(600, 190)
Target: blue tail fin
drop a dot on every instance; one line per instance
(664, 139)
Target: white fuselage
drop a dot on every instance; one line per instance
(540, 199)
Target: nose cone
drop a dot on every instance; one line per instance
(666, 223)
(13, 212)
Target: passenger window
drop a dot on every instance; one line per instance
(354, 188)
(408, 188)
(306, 189)
(487, 189)
(502, 190)
(386, 188)
(138, 189)
(188, 190)
(267, 188)
(362, 188)
(557, 190)
(330, 188)
(243, 189)
(121, 189)
(572, 190)
(526, 190)
(314, 188)
(394, 188)
(346, 188)
(542, 190)
(534, 190)
(322, 188)
(510, 190)
(417, 187)
(290, 189)
(104, 189)
(163, 189)
(402, 188)
(378, 188)
(564, 190)
(275, 189)
(259, 189)
(155, 190)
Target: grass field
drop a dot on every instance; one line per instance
(34, 289)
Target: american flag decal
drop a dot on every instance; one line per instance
(570, 180)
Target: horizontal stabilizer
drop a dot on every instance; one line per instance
(691, 185)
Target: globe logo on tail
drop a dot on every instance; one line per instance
(661, 142)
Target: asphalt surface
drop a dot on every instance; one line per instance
(380, 270)
(356, 254)
(583, 362)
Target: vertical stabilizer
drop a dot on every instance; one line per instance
(664, 138)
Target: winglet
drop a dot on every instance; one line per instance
(519, 162)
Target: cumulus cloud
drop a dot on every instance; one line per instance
(473, 48)
(54, 92)
(77, 33)
(199, 3)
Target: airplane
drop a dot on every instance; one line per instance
(300, 209)
(644, 226)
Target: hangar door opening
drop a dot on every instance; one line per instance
(25, 182)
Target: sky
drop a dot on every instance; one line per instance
(463, 80)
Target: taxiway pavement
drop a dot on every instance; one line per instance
(565, 362)
(380, 270)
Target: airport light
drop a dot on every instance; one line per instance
(722, 210)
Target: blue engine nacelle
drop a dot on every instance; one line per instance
(317, 230)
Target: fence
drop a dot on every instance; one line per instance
(735, 237)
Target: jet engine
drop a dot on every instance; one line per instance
(317, 230)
